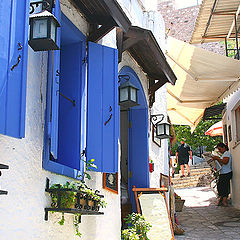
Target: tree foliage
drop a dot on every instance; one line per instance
(198, 137)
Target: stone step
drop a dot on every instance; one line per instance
(198, 177)
(188, 185)
(186, 179)
(194, 173)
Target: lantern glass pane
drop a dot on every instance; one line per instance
(167, 129)
(133, 94)
(40, 28)
(53, 30)
(160, 129)
(123, 94)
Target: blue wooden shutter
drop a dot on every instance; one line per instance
(13, 66)
(102, 107)
(69, 113)
(54, 73)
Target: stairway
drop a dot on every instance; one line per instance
(200, 177)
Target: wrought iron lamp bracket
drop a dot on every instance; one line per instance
(156, 118)
(46, 5)
(123, 76)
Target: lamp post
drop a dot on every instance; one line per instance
(162, 127)
(128, 93)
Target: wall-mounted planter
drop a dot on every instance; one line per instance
(81, 201)
(151, 167)
(2, 166)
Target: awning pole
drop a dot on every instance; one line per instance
(226, 47)
(236, 33)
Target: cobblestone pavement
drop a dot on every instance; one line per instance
(202, 219)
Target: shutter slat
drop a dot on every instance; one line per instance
(102, 116)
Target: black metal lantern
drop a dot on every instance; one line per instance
(128, 95)
(43, 31)
(162, 128)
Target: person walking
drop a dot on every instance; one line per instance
(182, 155)
(223, 184)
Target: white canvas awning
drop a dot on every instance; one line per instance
(203, 79)
(216, 21)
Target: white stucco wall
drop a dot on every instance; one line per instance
(232, 103)
(22, 210)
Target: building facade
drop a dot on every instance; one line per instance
(60, 109)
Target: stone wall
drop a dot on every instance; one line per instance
(180, 24)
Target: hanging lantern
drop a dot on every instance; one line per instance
(128, 95)
(43, 31)
(162, 128)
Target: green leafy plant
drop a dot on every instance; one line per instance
(137, 227)
(68, 199)
(89, 166)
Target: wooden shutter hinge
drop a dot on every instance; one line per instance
(85, 59)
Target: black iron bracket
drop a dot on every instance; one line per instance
(156, 118)
(123, 76)
(46, 5)
(79, 208)
(2, 166)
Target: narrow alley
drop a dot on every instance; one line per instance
(202, 219)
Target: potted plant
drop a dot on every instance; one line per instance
(137, 227)
(75, 198)
(78, 197)
(151, 165)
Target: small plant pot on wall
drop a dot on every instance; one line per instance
(74, 198)
(151, 167)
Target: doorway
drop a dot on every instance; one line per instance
(134, 145)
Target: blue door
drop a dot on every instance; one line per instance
(138, 161)
(14, 19)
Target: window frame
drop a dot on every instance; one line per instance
(237, 124)
(49, 164)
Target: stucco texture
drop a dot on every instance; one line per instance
(22, 210)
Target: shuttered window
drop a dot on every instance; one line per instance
(65, 139)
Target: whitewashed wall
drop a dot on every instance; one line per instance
(22, 210)
(232, 103)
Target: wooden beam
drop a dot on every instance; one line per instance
(129, 43)
(84, 10)
(119, 37)
(151, 95)
(163, 189)
(118, 14)
(98, 33)
(156, 86)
